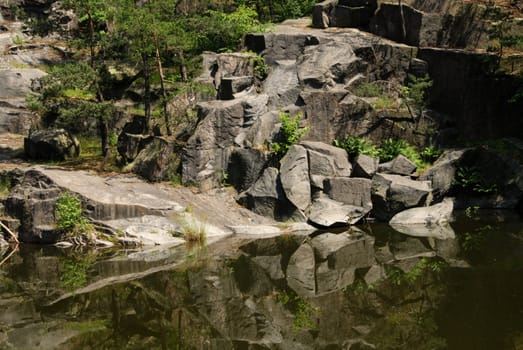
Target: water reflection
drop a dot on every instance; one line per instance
(366, 288)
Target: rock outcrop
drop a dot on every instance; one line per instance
(51, 144)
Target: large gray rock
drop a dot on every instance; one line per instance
(422, 29)
(364, 166)
(348, 13)
(155, 161)
(51, 144)
(353, 191)
(326, 161)
(301, 271)
(400, 165)
(442, 173)
(18, 82)
(33, 204)
(433, 215)
(394, 193)
(245, 166)
(282, 84)
(266, 197)
(326, 212)
(294, 175)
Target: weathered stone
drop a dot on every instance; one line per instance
(130, 145)
(394, 193)
(294, 175)
(338, 13)
(266, 197)
(51, 144)
(400, 165)
(423, 28)
(18, 82)
(245, 166)
(282, 84)
(326, 161)
(232, 85)
(442, 173)
(155, 160)
(301, 271)
(364, 166)
(435, 214)
(353, 191)
(328, 213)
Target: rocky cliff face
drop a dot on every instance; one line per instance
(316, 73)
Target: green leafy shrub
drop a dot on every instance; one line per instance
(290, 133)
(470, 179)
(430, 154)
(302, 310)
(357, 145)
(68, 212)
(391, 148)
(415, 92)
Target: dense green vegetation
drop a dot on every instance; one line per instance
(149, 48)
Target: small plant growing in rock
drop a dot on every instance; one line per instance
(302, 310)
(69, 218)
(193, 230)
(430, 154)
(391, 148)
(290, 133)
(415, 92)
(357, 145)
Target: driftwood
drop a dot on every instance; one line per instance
(10, 232)
(9, 255)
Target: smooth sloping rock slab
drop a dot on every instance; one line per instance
(114, 197)
(327, 213)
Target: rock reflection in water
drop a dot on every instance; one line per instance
(360, 289)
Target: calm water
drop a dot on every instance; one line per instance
(368, 288)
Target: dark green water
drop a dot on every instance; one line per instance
(374, 289)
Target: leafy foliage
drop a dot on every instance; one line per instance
(415, 92)
(470, 179)
(357, 145)
(391, 148)
(68, 212)
(290, 133)
(365, 89)
(430, 154)
(302, 310)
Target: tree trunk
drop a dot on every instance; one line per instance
(162, 84)
(146, 93)
(91, 35)
(183, 66)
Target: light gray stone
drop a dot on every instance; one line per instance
(353, 191)
(400, 165)
(392, 194)
(326, 161)
(294, 175)
(433, 215)
(327, 213)
(364, 166)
